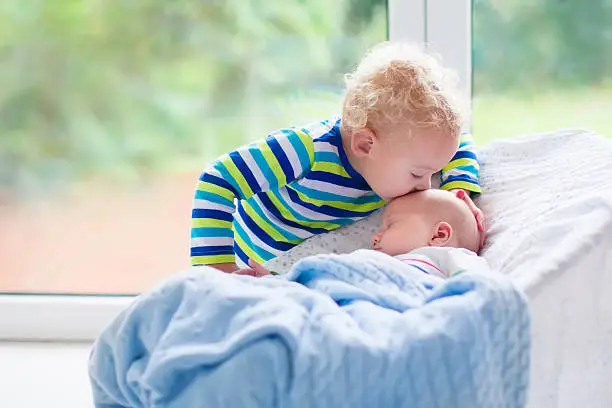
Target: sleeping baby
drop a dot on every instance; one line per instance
(433, 231)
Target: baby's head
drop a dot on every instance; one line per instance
(401, 118)
(426, 218)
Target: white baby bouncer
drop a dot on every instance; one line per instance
(548, 202)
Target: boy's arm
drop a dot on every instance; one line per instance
(462, 171)
(279, 159)
(461, 175)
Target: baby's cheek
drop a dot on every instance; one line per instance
(400, 243)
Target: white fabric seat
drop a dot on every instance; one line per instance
(548, 203)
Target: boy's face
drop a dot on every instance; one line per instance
(398, 163)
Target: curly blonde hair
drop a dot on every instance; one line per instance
(398, 83)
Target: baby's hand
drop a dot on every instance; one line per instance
(478, 214)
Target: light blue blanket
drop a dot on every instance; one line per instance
(337, 331)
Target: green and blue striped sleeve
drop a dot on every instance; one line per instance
(284, 156)
(462, 171)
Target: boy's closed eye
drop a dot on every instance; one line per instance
(420, 173)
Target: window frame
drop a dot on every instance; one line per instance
(441, 18)
(34, 317)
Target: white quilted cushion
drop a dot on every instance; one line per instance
(548, 203)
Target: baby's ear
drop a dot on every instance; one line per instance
(362, 141)
(442, 234)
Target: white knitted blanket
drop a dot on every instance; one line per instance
(540, 192)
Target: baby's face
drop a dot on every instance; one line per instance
(426, 218)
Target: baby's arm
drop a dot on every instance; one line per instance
(449, 261)
(460, 260)
(282, 157)
(463, 170)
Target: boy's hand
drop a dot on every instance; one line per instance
(478, 214)
(225, 267)
(254, 270)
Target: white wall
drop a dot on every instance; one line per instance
(34, 375)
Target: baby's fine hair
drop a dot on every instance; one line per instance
(399, 83)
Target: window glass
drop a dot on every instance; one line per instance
(109, 110)
(541, 65)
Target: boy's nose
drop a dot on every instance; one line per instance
(460, 194)
(426, 184)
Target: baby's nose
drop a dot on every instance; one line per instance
(376, 239)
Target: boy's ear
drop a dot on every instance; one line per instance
(442, 234)
(362, 141)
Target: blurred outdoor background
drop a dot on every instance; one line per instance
(110, 109)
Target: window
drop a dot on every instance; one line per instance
(541, 65)
(109, 111)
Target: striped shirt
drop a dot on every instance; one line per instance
(264, 198)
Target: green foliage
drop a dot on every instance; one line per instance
(523, 45)
(92, 86)
(120, 87)
(505, 115)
